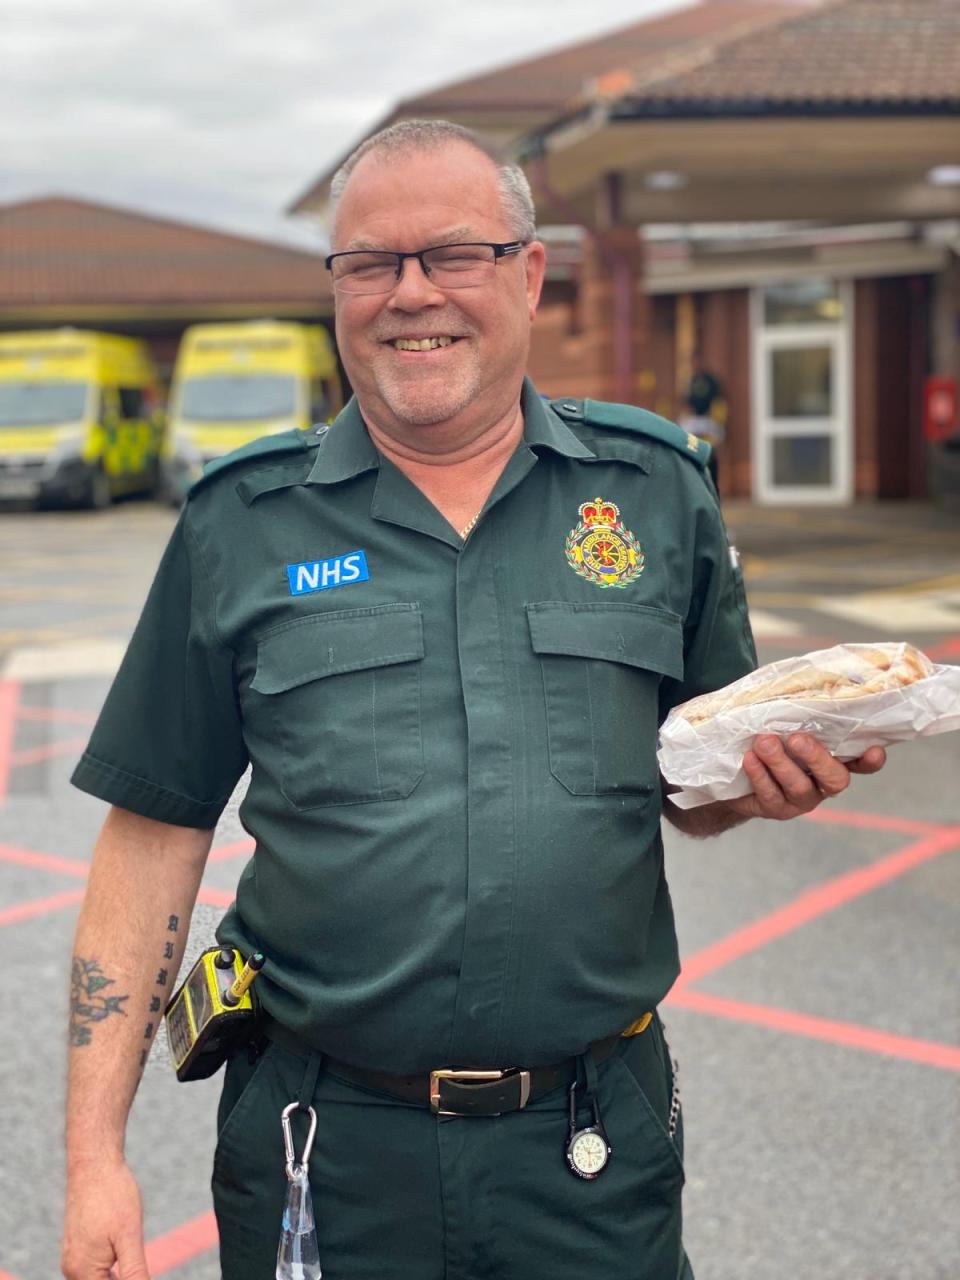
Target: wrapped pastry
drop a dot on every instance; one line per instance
(850, 697)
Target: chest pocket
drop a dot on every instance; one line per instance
(343, 690)
(602, 665)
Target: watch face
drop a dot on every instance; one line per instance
(588, 1153)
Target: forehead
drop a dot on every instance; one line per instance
(403, 200)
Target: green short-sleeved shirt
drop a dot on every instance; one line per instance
(454, 791)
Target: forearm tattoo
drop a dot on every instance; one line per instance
(157, 1003)
(88, 1002)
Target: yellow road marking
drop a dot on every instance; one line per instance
(783, 599)
(949, 582)
(816, 561)
(893, 578)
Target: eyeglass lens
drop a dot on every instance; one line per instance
(453, 266)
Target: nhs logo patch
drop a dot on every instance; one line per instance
(318, 575)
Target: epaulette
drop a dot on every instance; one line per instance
(627, 417)
(283, 443)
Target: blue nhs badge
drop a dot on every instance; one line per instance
(319, 575)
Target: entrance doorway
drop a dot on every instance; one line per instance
(802, 429)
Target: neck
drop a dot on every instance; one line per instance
(457, 479)
(449, 446)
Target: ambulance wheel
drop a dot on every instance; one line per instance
(97, 497)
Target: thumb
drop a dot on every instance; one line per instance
(131, 1259)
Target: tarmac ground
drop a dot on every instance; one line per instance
(817, 1020)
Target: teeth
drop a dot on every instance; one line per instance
(421, 344)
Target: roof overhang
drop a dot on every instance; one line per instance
(747, 166)
(699, 273)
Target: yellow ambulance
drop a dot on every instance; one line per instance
(80, 419)
(235, 382)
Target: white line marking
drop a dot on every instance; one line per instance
(897, 612)
(64, 662)
(769, 624)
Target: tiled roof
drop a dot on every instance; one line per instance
(867, 54)
(546, 82)
(60, 250)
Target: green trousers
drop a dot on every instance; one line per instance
(401, 1194)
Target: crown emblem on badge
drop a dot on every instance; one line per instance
(601, 548)
(600, 512)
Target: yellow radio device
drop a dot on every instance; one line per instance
(211, 1012)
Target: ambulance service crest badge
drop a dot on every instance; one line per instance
(601, 549)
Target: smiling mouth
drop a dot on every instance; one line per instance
(422, 344)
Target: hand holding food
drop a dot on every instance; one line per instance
(848, 699)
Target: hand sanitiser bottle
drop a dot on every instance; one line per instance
(298, 1255)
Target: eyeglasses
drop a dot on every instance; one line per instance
(449, 266)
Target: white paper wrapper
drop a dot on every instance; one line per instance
(705, 759)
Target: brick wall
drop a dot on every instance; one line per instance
(572, 353)
(574, 345)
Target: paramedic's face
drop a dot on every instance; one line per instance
(413, 201)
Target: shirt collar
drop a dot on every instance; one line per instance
(346, 449)
(541, 426)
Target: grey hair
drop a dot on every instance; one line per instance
(430, 135)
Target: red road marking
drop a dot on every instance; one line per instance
(174, 1248)
(70, 867)
(40, 907)
(36, 754)
(64, 714)
(215, 897)
(227, 851)
(815, 902)
(9, 697)
(946, 649)
(180, 1245)
(928, 1052)
(876, 821)
(43, 861)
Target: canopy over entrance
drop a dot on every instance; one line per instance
(845, 110)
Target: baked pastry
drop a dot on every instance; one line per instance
(848, 671)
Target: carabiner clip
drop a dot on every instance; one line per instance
(293, 1165)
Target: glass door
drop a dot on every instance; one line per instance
(803, 429)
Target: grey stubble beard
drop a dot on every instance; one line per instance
(419, 407)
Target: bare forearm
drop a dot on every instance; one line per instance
(129, 944)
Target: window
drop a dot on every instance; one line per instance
(131, 402)
(238, 397)
(41, 404)
(812, 300)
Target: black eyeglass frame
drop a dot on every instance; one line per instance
(505, 249)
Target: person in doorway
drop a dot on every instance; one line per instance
(443, 632)
(707, 416)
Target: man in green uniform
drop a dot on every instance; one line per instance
(443, 633)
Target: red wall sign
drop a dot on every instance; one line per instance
(939, 408)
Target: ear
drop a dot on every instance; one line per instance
(536, 264)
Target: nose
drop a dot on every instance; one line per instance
(414, 289)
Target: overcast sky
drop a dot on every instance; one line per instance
(222, 111)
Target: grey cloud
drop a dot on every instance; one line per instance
(199, 102)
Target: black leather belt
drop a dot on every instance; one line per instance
(450, 1091)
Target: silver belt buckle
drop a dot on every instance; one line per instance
(448, 1073)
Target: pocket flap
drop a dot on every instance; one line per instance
(330, 644)
(636, 634)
